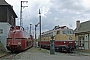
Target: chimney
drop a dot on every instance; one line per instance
(77, 24)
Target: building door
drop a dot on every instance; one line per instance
(81, 42)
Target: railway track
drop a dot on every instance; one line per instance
(9, 56)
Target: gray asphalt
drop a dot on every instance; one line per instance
(37, 54)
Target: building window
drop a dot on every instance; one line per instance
(86, 37)
(81, 42)
(1, 31)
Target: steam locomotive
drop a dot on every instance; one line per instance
(63, 36)
(18, 39)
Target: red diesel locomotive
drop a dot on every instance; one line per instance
(63, 36)
(18, 39)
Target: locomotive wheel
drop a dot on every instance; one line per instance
(62, 49)
(69, 50)
(59, 49)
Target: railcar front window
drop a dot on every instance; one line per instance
(68, 32)
(58, 32)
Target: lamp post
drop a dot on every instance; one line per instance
(35, 35)
(30, 29)
(40, 27)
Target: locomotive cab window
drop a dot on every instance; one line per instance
(68, 32)
(58, 32)
(71, 32)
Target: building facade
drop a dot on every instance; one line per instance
(7, 13)
(7, 19)
(4, 30)
(82, 33)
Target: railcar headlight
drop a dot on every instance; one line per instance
(75, 42)
(19, 43)
(71, 42)
(64, 42)
(14, 31)
(8, 42)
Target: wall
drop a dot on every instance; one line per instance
(3, 14)
(5, 27)
(10, 17)
(86, 41)
(6, 15)
(76, 40)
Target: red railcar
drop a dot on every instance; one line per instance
(18, 39)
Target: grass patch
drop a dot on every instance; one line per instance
(35, 49)
(85, 51)
(2, 50)
(0, 44)
(43, 50)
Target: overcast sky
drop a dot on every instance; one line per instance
(54, 12)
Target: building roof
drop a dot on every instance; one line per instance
(84, 27)
(4, 3)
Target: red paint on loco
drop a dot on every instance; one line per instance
(65, 43)
(59, 43)
(44, 43)
(18, 39)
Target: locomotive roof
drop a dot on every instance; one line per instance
(51, 31)
(17, 27)
(57, 28)
(64, 29)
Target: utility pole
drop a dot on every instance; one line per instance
(27, 29)
(35, 31)
(30, 29)
(21, 22)
(40, 27)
